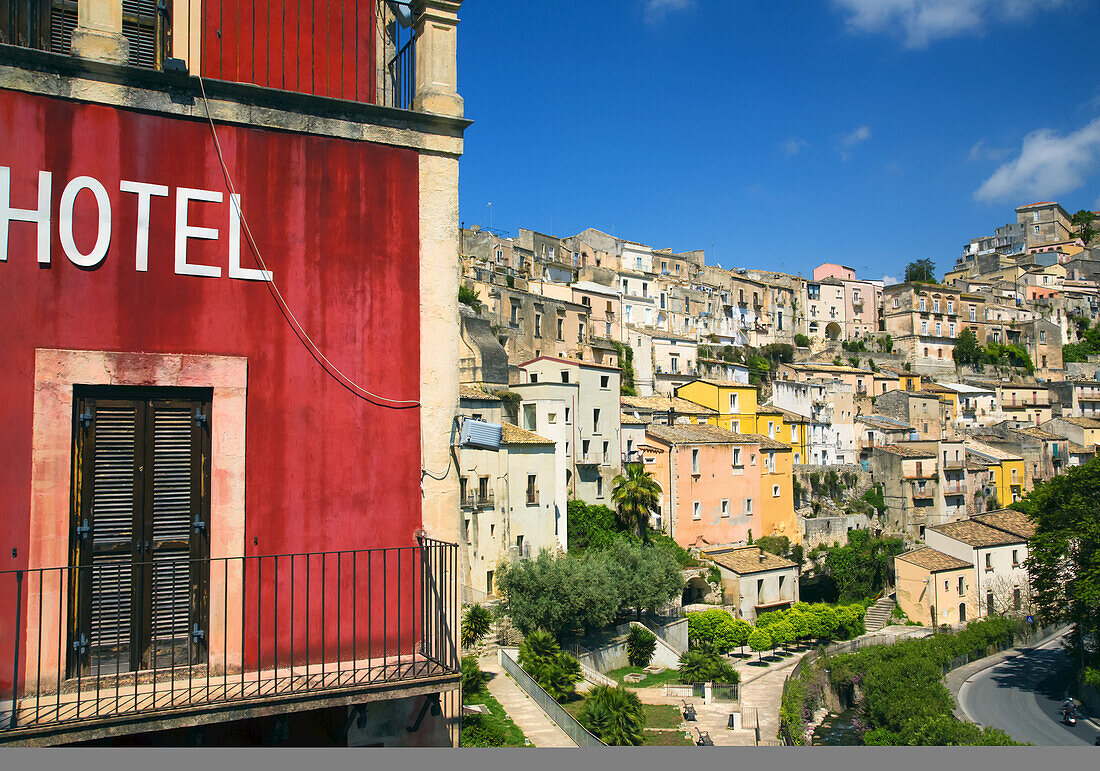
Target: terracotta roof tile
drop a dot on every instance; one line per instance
(907, 452)
(748, 559)
(700, 434)
(1009, 520)
(934, 561)
(627, 419)
(976, 534)
(664, 404)
(515, 435)
(468, 391)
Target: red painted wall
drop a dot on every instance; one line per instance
(323, 47)
(337, 222)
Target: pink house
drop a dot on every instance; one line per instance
(710, 478)
(833, 270)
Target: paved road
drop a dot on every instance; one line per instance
(1021, 696)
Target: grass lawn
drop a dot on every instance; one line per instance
(669, 675)
(513, 735)
(662, 716)
(665, 739)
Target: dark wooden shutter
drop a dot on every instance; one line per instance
(107, 531)
(174, 501)
(62, 23)
(143, 25)
(140, 543)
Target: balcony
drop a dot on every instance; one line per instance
(478, 500)
(591, 459)
(232, 638)
(953, 465)
(954, 488)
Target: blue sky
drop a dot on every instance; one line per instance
(779, 134)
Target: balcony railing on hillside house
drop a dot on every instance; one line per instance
(151, 642)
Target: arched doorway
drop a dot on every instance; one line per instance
(696, 590)
(962, 612)
(832, 331)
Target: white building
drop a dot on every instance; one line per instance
(995, 544)
(512, 501)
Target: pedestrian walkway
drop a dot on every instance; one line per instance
(525, 713)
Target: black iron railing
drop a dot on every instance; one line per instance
(401, 76)
(104, 639)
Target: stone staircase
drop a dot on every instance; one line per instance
(878, 615)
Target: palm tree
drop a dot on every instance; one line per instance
(636, 495)
(615, 715)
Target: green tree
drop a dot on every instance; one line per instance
(590, 527)
(760, 640)
(640, 646)
(741, 629)
(967, 348)
(559, 593)
(776, 544)
(700, 666)
(646, 576)
(626, 365)
(782, 634)
(636, 495)
(1064, 553)
(802, 341)
(614, 715)
(475, 625)
(1082, 221)
(922, 271)
(800, 625)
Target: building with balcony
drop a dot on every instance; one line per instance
(1077, 398)
(662, 360)
(974, 405)
(710, 480)
(1006, 466)
(925, 411)
(513, 497)
(1082, 432)
(1024, 404)
(924, 321)
(235, 271)
(910, 480)
(878, 431)
(590, 393)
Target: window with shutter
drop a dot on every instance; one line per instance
(144, 24)
(140, 539)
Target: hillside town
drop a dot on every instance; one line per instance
(294, 456)
(948, 399)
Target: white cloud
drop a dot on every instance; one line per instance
(920, 22)
(793, 146)
(981, 152)
(889, 280)
(851, 139)
(1049, 165)
(655, 11)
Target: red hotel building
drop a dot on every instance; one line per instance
(227, 517)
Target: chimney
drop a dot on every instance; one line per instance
(761, 556)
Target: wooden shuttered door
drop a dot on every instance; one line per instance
(140, 538)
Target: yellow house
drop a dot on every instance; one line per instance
(777, 515)
(1007, 468)
(735, 403)
(795, 431)
(946, 395)
(907, 381)
(933, 587)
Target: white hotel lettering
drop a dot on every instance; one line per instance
(145, 192)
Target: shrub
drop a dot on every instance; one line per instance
(614, 715)
(479, 732)
(475, 625)
(640, 646)
(802, 341)
(700, 666)
(473, 679)
(554, 670)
